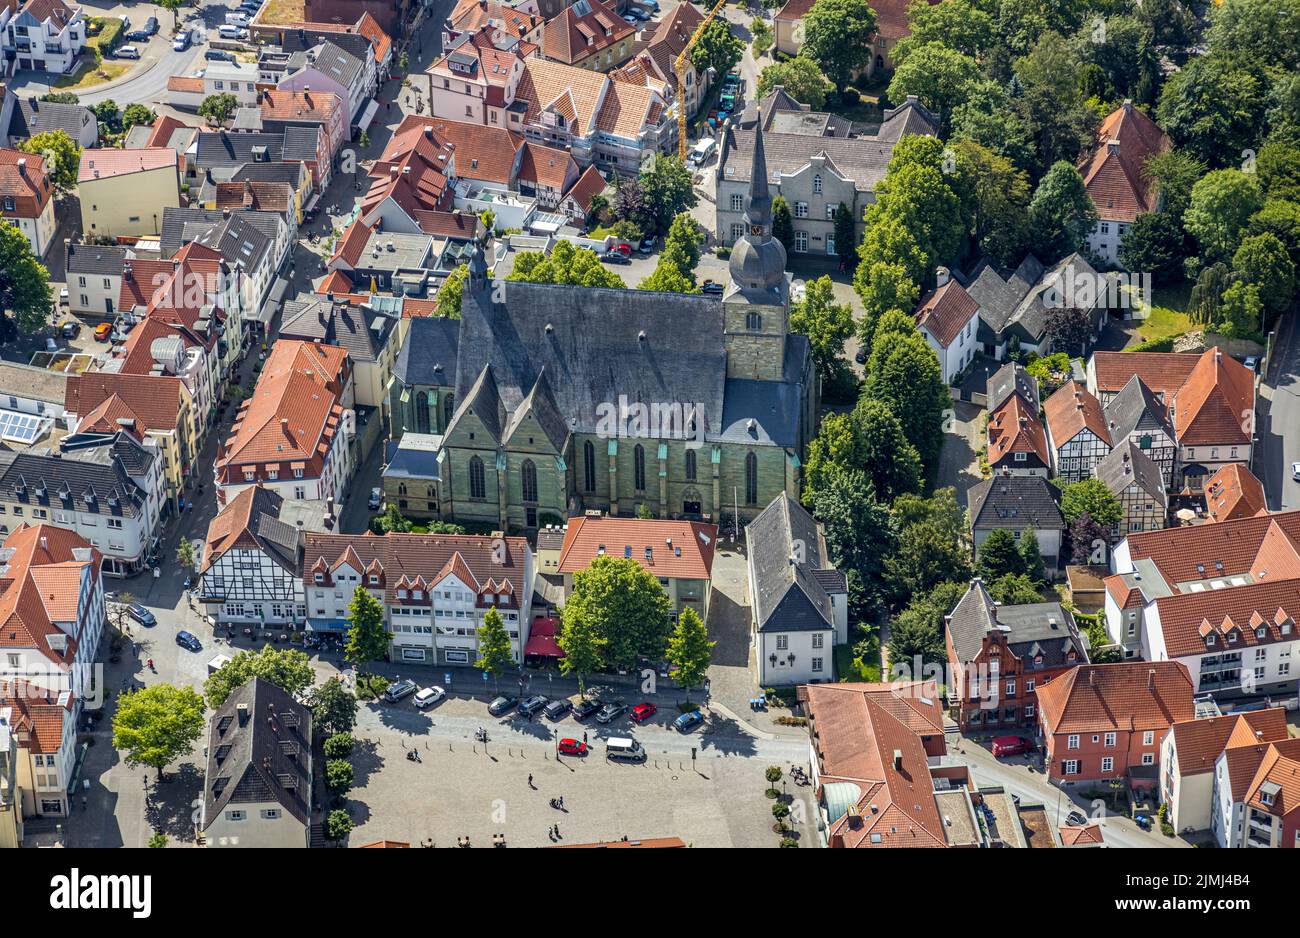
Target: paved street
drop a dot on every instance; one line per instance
(1277, 416)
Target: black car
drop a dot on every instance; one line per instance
(584, 708)
(142, 615)
(502, 705)
(187, 640)
(615, 257)
(711, 287)
(1076, 818)
(218, 55)
(861, 356)
(556, 709)
(531, 705)
(610, 712)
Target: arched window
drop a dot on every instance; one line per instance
(690, 465)
(528, 476)
(751, 479)
(448, 408)
(421, 412)
(588, 467)
(477, 487)
(638, 467)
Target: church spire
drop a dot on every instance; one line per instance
(758, 207)
(758, 259)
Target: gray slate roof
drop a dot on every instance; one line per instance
(98, 259)
(1015, 503)
(1126, 464)
(359, 329)
(32, 117)
(222, 234)
(264, 758)
(428, 356)
(337, 63)
(220, 148)
(789, 596)
(1033, 629)
(66, 478)
(414, 458)
(1012, 379)
(1136, 407)
(864, 160)
(1021, 299)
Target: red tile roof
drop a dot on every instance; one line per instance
(1070, 411)
(37, 713)
(689, 556)
(482, 152)
(945, 312)
(1233, 492)
(1125, 695)
(163, 128)
(573, 37)
(28, 185)
(380, 41)
(1223, 549)
(232, 527)
(1232, 618)
(1114, 171)
(1162, 372)
(155, 399)
(1216, 404)
(1199, 743)
(589, 185)
(1086, 836)
(350, 247)
(1013, 429)
(316, 107)
(250, 195)
(472, 15)
(105, 164)
(1280, 770)
(547, 166)
(185, 83)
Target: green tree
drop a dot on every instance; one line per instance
(1061, 213)
(888, 240)
(684, 235)
(1264, 262)
(333, 708)
(1031, 556)
(761, 37)
(62, 158)
(845, 232)
(669, 277)
(860, 534)
(882, 287)
(367, 637)
(109, 117)
(717, 48)
(156, 725)
(137, 114)
(1014, 589)
(1278, 168)
(627, 608)
(801, 78)
(24, 282)
(172, 6)
(668, 190)
(494, 654)
(838, 36)
(338, 776)
(1000, 201)
(1264, 30)
(906, 377)
(918, 629)
(185, 555)
(218, 108)
(919, 193)
(565, 264)
(931, 546)
(940, 77)
(1242, 311)
(1214, 107)
(288, 669)
(1154, 242)
(965, 26)
(1093, 497)
(338, 823)
(783, 223)
(999, 556)
(452, 293)
(1174, 172)
(158, 841)
(1050, 103)
(826, 323)
(1221, 206)
(582, 644)
(689, 651)
(1282, 220)
(340, 746)
(870, 440)
(393, 520)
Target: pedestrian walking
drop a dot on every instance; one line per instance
(530, 780)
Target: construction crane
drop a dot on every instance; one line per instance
(679, 67)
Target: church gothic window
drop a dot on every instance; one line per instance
(477, 485)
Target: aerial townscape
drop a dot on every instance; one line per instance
(816, 424)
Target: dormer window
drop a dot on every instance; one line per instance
(1232, 636)
(1261, 632)
(1210, 639)
(374, 580)
(320, 578)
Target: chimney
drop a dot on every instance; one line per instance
(941, 276)
(1151, 679)
(22, 167)
(898, 760)
(1092, 677)
(1113, 144)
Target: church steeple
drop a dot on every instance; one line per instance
(478, 271)
(757, 259)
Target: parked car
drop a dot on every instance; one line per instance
(646, 247)
(688, 721)
(399, 690)
(1295, 471)
(70, 329)
(103, 331)
(236, 19)
(428, 696)
(556, 709)
(376, 498)
(502, 705)
(127, 52)
(1010, 746)
(230, 31)
(1251, 362)
(531, 705)
(138, 35)
(643, 711)
(573, 747)
(218, 55)
(711, 287)
(610, 712)
(861, 356)
(615, 257)
(1076, 818)
(182, 41)
(142, 615)
(631, 20)
(584, 708)
(189, 641)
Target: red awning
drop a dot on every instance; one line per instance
(543, 646)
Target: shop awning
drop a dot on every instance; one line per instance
(543, 646)
(273, 300)
(327, 625)
(368, 114)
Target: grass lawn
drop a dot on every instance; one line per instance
(283, 12)
(1167, 317)
(88, 75)
(853, 670)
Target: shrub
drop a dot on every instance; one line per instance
(338, 775)
(788, 842)
(339, 746)
(337, 825)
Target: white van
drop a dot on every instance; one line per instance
(237, 19)
(618, 747)
(702, 150)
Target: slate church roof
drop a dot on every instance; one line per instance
(785, 556)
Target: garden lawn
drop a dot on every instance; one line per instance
(89, 75)
(1167, 318)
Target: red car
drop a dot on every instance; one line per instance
(573, 747)
(1010, 746)
(624, 249)
(642, 712)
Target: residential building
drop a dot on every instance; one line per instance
(469, 16)
(435, 589)
(1163, 373)
(948, 319)
(1217, 597)
(799, 601)
(1191, 751)
(32, 116)
(11, 797)
(226, 151)
(678, 553)
(27, 198)
(26, 390)
(1077, 437)
(326, 67)
(106, 487)
(422, 392)
(1000, 656)
(1012, 378)
(1254, 802)
(1105, 722)
(94, 277)
(45, 35)
(1136, 481)
(370, 337)
(412, 476)
(40, 728)
(813, 167)
(883, 777)
(257, 790)
(125, 192)
(293, 434)
(655, 58)
(1016, 306)
(588, 34)
(1114, 173)
(1017, 442)
(51, 622)
(1017, 503)
(249, 571)
(307, 109)
(1137, 414)
(1233, 492)
(234, 78)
